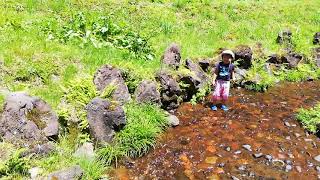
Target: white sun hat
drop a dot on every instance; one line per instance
(229, 52)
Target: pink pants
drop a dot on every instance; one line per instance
(221, 91)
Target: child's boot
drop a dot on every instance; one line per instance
(214, 108)
(224, 107)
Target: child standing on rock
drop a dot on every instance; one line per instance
(224, 72)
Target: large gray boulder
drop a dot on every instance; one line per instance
(243, 54)
(316, 38)
(169, 91)
(104, 119)
(204, 64)
(27, 121)
(240, 75)
(194, 80)
(316, 55)
(172, 56)
(293, 59)
(74, 172)
(110, 76)
(284, 37)
(147, 92)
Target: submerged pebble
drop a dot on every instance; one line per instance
(247, 147)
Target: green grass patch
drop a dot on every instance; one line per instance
(310, 118)
(144, 124)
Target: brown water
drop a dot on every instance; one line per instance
(208, 145)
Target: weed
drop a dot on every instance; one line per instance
(144, 123)
(310, 118)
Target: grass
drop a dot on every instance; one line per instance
(144, 124)
(63, 157)
(310, 118)
(51, 49)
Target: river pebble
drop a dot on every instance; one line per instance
(258, 155)
(288, 168)
(317, 158)
(237, 152)
(298, 168)
(287, 124)
(268, 157)
(242, 168)
(247, 147)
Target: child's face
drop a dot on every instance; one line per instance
(226, 58)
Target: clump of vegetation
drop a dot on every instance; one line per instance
(144, 124)
(78, 94)
(100, 32)
(63, 157)
(310, 118)
(14, 164)
(258, 77)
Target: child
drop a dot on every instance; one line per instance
(224, 72)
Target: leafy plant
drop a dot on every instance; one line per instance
(258, 77)
(101, 32)
(144, 124)
(78, 94)
(15, 164)
(310, 118)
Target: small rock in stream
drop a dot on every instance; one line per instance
(234, 178)
(288, 168)
(237, 152)
(288, 138)
(291, 156)
(247, 147)
(318, 169)
(317, 158)
(221, 165)
(288, 162)
(297, 135)
(228, 149)
(242, 168)
(268, 157)
(298, 168)
(258, 155)
(287, 124)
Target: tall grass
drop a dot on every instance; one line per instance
(145, 123)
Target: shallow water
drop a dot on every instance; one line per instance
(209, 145)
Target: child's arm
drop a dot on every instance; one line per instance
(215, 74)
(233, 76)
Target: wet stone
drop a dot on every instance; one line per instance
(268, 157)
(318, 169)
(291, 155)
(298, 168)
(310, 164)
(234, 178)
(288, 168)
(288, 162)
(258, 155)
(287, 124)
(297, 135)
(228, 149)
(247, 147)
(288, 138)
(317, 158)
(221, 165)
(242, 168)
(237, 152)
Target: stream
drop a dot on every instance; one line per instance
(258, 138)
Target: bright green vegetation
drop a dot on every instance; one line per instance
(51, 49)
(310, 118)
(145, 122)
